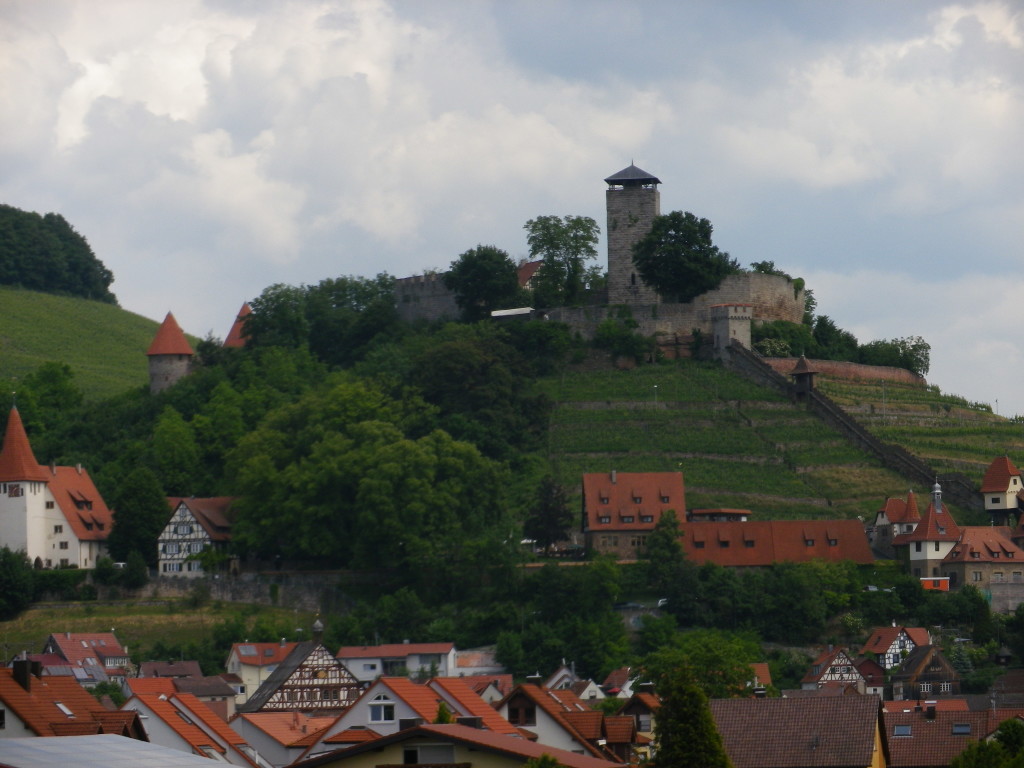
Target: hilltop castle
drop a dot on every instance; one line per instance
(632, 201)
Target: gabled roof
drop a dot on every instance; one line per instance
(42, 706)
(80, 502)
(985, 544)
(818, 732)
(502, 683)
(526, 271)
(825, 661)
(17, 462)
(997, 476)
(802, 367)
(354, 735)
(236, 336)
(169, 339)
(616, 495)
(918, 662)
(212, 513)
(763, 542)
(900, 511)
(170, 669)
(556, 708)
(79, 647)
(392, 650)
(192, 721)
(923, 739)
(261, 654)
(882, 638)
(631, 175)
(471, 703)
(936, 525)
(300, 653)
(482, 741)
(289, 729)
(761, 672)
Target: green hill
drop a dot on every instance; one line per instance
(744, 446)
(104, 344)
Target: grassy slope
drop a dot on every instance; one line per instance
(104, 345)
(737, 444)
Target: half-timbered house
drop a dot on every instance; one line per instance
(196, 525)
(833, 667)
(309, 679)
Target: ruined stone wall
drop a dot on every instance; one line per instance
(838, 369)
(772, 298)
(424, 297)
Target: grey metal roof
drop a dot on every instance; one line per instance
(95, 751)
(279, 676)
(632, 176)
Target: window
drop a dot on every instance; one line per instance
(628, 518)
(936, 546)
(1017, 577)
(63, 708)
(64, 562)
(975, 575)
(523, 714)
(997, 576)
(646, 518)
(961, 729)
(3, 719)
(748, 543)
(723, 544)
(809, 542)
(698, 545)
(638, 542)
(638, 499)
(63, 545)
(173, 548)
(833, 542)
(942, 531)
(49, 505)
(917, 546)
(194, 565)
(995, 499)
(382, 709)
(604, 520)
(196, 547)
(605, 499)
(945, 687)
(925, 687)
(369, 667)
(183, 530)
(57, 528)
(901, 730)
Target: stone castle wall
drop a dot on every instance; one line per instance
(838, 369)
(425, 297)
(772, 298)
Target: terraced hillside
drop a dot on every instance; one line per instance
(946, 431)
(737, 444)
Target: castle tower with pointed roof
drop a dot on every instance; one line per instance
(53, 514)
(632, 201)
(931, 540)
(170, 356)
(236, 336)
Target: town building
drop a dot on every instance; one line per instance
(85, 650)
(1002, 491)
(53, 514)
(760, 543)
(368, 662)
(620, 509)
(195, 526)
(923, 549)
(890, 645)
(895, 518)
(308, 679)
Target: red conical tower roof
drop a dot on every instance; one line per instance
(169, 339)
(236, 336)
(17, 462)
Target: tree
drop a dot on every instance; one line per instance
(483, 279)
(550, 518)
(108, 688)
(176, 453)
(685, 733)
(15, 583)
(911, 352)
(678, 259)
(140, 514)
(136, 575)
(543, 761)
(1010, 734)
(563, 245)
(716, 661)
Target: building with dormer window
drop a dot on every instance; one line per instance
(620, 509)
(53, 514)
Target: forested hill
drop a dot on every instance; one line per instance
(45, 253)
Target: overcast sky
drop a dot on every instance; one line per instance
(210, 149)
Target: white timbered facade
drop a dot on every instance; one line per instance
(195, 526)
(310, 679)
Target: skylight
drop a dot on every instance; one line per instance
(901, 730)
(64, 709)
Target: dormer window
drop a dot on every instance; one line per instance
(604, 499)
(664, 499)
(604, 520)
(638, 499)
(809, 542)
(627, 518)
(382, 709)
(646, 518)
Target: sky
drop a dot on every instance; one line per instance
(208, 149)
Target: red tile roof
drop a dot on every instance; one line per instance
(169, 339)
(556, 708)
(818, 732)
(882, 638)
(261, 654)
(38, 706)
(526, 272)
(181, 711)
(80, 501)
(762, 672)
(290, 729)
(236, 336)
(997, 476)
(79, 647)
(763, 542)
(157, 685)
(471, 703)
(210, 512)
(630, 497)
(899, 511)
(393, 650)
(357, 735)
(484, 741)
(503, 683)
(936, 525)
(17, 462)
(915, 739)
(984, 544)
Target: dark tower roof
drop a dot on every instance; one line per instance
(632, 177)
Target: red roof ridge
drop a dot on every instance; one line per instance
(17, 461)
(169, 339)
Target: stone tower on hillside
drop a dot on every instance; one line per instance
(170, 356)
(632, 202)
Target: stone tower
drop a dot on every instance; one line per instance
(632, 201)
(170, 356)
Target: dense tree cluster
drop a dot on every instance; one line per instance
(45, 253)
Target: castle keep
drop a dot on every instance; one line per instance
(632, 201)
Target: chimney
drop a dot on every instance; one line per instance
(614, 479)
(22, 675)
(409, 722)
(471, 722)
(282, 642)
(78, 468)
(930, 712)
